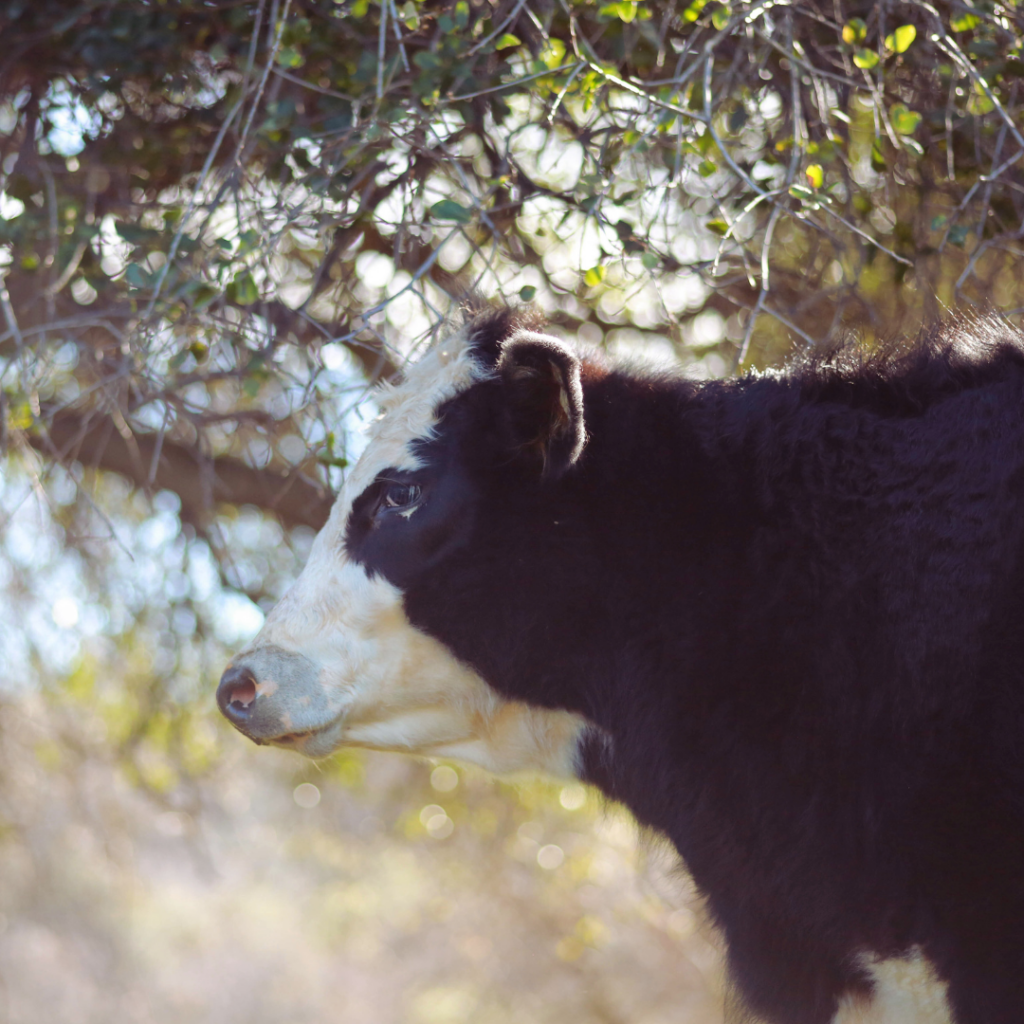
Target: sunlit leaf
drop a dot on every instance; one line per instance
(903, 120)
(553, 54)
(594, 276)
(901, 39)
(506, 41)
(855, 31)
(865, 59)
(964, 21)
(815, 175)
(19, 417)
(624, 10)
(693, 12)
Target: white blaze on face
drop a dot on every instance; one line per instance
(380, 682)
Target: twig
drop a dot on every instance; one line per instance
(382, 36)
(510, 85)
(498, 31)
(398, 35)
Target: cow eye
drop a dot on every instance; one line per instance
(399, 496)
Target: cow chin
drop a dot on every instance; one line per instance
(339, 664)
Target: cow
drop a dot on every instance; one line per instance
(779, 617)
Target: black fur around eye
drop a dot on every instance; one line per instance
(399, 496)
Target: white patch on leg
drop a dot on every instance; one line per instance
(907, 991)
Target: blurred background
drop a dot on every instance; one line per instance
(222, 223)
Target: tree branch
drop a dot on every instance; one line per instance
(201, 482)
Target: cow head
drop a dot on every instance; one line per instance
(338, 661)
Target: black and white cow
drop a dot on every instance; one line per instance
(781, 618)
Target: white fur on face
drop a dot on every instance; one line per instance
(907, 991)
(381, 682)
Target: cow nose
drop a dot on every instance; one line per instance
(236, 695)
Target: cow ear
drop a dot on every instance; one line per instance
(541, 377)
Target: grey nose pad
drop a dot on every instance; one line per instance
(236, 695)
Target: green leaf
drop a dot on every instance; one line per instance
(865, 59)
(247, 241)
(427, 61)
(939, 222)
(527, 292)
(717, 227)
(706, 168)
(553, 54)
(964, 22)
(901, 39)
(877, 158)
(855, 31)
(903, 120)
(721, 17)
(245, 289)
(19, 417)
(958, 235)
(202, 295)
(448, 209)
(289, 57)
(815, 175)
(410, 16)
(624, 10)
(594, 276)
(650, 260)
(136, 276)
(800, 192)
(506, 41)
(693, 12)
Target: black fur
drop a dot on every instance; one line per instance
(792, 606)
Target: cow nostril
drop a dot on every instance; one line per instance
(243, 695)
(237, 694)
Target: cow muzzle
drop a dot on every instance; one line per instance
(276, 696)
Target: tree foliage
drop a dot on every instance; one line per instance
(206, 202)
